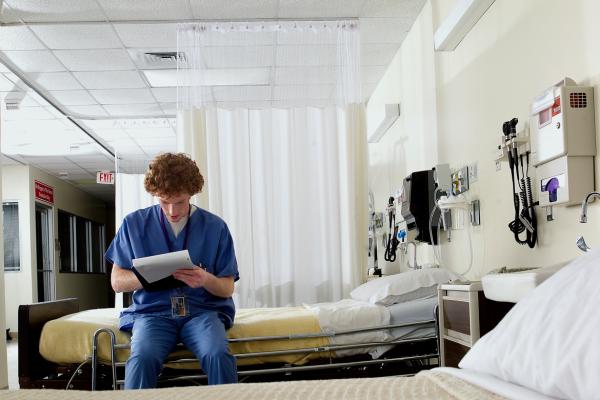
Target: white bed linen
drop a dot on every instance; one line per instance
(495, 385)
(351, 314)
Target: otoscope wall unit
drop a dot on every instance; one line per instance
(563, 139)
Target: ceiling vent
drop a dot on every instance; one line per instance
(159, 59)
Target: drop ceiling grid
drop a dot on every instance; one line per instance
(140, 74)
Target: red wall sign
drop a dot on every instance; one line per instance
(44, 192)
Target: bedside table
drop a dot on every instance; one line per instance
(465, 315)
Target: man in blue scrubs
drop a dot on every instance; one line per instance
(193, 306)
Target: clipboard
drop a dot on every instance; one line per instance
(155, 268)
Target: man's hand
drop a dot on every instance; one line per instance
(198, 277)
(193, 277)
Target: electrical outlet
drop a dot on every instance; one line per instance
(498, 165)
(473, 173)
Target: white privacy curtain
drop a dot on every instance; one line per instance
(130, 194)
(286, 160)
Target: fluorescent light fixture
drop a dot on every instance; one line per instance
(392, 112)
(460, 21)
(208, 77)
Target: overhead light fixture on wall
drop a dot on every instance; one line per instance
(392, 112)
(460, 21)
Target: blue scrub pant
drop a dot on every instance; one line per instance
(154, 337)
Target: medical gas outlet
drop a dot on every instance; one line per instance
(564, 143)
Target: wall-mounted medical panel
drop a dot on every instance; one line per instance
(563, 137)
(565, 180)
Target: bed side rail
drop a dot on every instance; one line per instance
(32, 318)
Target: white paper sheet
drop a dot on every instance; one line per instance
(157, 267)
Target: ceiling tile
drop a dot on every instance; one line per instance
(110, 134)
(144, 133)
(87, 111)
(95, 60)
(306, 55)
(80, 36)
(96, 158)
(392, 8)
(123, 96)
(319, 9)
(134, 110)
(368, 89)
(56, 10)
(378, 53)
(119, 10)
(110, 79)
(372, 74)
(165, 95)
(18, 38)
(6, 85)
(73, 97)
(34, 61)
(302, 92)
(153, 151)
(236, 9)
(148, 35)
(305, 75)
(56, 81)
(28, 113)
(382, 30)
(239, 93)
(239, 56)
(169, 108)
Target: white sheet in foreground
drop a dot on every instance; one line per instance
(495, 385)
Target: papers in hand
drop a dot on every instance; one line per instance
(157, 267)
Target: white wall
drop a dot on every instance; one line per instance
(91, 289)
(515, 51)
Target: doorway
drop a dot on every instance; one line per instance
(45, 262)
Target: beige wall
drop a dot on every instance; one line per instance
(91, 289)
(20, 285)
(513, 53)
(411, 143)
(3, 359)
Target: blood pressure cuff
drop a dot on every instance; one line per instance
(162, 284)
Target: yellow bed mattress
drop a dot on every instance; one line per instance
(68, 340)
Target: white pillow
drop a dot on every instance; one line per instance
(397, 288)
(550, 340)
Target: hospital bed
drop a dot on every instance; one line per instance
(81, 349)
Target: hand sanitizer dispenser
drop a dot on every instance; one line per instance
(564, 143)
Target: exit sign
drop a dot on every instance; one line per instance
(105, 177)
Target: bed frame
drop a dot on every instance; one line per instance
(406, 358)
(37, 373)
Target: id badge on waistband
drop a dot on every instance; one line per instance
(178, 307)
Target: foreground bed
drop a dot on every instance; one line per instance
(425, 385)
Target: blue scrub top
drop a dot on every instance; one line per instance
(209, 244)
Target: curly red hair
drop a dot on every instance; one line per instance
(172, 174)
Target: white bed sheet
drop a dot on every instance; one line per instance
(351, 314)
(495, 385)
